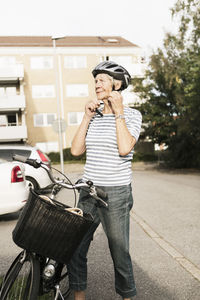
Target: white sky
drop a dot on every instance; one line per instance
(143, 22)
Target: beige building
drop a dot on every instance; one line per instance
(40, 83)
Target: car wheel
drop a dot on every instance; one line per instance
(32, 183)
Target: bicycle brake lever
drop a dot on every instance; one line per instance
(93, 194)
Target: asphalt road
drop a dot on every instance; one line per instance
(165, 226)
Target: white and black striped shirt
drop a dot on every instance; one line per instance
(104, 166)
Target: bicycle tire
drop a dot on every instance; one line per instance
(21, 282)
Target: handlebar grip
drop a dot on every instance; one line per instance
(100, 193)
(20, 158)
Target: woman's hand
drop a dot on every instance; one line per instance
(90, 107)
(116, 102)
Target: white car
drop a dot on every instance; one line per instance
(36, 178)
(14, 190)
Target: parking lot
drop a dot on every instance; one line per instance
(165, 226)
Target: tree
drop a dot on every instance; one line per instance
(171, 88)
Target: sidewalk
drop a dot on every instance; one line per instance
(161, 272)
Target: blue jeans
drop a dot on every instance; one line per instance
(115, 221)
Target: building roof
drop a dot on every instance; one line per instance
(69, 41)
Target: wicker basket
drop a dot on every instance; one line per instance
(49, 230)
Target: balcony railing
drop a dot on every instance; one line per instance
(13, 133)
(11, 73)
(12, 103)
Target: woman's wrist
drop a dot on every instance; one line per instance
(119, 112)
(119, 116)
(87, 118)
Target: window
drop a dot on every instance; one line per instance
(8, 153)
(8, 91)
(12, 120)
(8, 120)
(75, 62)
(7, 60)
(2, 91)
(48, 146)
(75, 118)
(41, 62)
(3, 120)
(43, 91)
(11, 91)
(44, 120)
(50, 118)
(77, 90)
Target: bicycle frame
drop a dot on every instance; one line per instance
(51, 276)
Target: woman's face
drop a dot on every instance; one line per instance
(103, 86)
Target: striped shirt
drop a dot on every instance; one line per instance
(104, 166)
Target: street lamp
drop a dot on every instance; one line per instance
(58, 102)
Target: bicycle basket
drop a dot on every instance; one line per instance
(49, 230)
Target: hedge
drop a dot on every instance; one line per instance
(67, 156)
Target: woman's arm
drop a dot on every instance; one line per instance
(125, 140)
(78, 143)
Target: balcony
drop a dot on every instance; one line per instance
(13, 133)
(137, 69)
(11, 73)
(12, 103)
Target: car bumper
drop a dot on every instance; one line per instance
(12, 205)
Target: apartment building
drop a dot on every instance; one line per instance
(43, 80)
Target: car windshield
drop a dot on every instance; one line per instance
(7, 154)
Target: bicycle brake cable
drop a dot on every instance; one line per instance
(75, 196)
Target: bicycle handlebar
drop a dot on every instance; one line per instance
(95, 192)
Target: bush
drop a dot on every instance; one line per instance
(139, 156)
(67, 156)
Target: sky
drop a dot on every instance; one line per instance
(143, 22)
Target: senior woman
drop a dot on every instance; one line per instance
(108, 140)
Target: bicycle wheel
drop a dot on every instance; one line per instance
(22, 279)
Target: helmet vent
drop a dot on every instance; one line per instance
(119, 70)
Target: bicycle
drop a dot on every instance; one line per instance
(33, 275)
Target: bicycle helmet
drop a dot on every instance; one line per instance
(114, 70)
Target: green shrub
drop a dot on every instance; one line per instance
(139, 156)
(67, 156)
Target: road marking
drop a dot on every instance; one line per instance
(175, 254)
